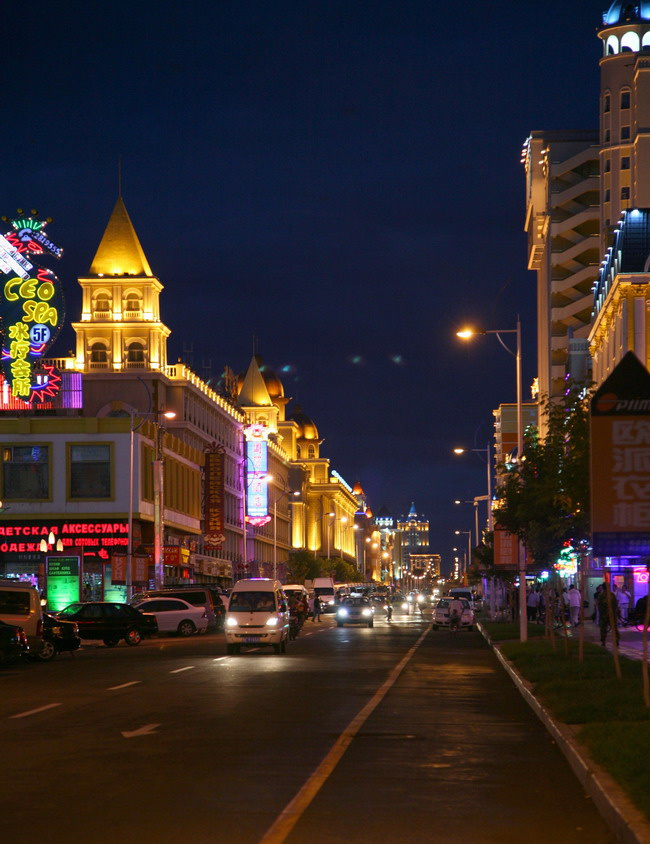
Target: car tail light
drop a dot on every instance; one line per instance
(22, 636)
(205, 614)
(39, 627)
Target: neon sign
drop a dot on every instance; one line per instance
(31, 310)
(257, 464)
(567, 563)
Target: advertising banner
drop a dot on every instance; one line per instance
(506, 547)
(213, 479)
(62, 581)
(620, 462)
(139, 569)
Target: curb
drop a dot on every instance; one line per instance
(617, 810)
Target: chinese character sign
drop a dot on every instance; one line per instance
(31, 309)
(620, 462)
(214, 532)
(257, 496)
(506, 549)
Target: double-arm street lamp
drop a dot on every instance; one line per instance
(486, 452)
(467, 334)
(467, 533)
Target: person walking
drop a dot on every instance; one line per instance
(575, 599)
(317, 609)
(603, 616)
(624, 598)
(532, 603)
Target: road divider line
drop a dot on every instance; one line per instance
(294, 810)
(35, 711)
(178, 670)
(124, 685)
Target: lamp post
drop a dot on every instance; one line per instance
(275, 528)
(475, 502)
(468, 334)
(486, 452)
(468, 533)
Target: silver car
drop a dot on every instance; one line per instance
(355, 611)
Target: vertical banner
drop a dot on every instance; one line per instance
(257, 467)
(620, 462)
(213, 496)
(506, 546)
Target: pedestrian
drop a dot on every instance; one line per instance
(623, 597)
(532, 603)
(575, 600)
(317, 609)
(603, 615)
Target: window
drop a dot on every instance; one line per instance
(625, 133)
(608, 135)
(90, 471)
(608, 165)
(606, 103)
(607, 195)
(14, 602)
(625, 99)
(102, 302)
(135, 353)
(625, 193)
(98, 353)
(26, 472)
(132, 302)
(312, 451)
(625, 162)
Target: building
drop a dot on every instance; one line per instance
(562, 223)
(413, 532)
(506, 433)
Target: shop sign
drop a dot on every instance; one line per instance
(214, 492)
(87, 537)
(257, 467)
(62, 581)
(620, 462)
(139, 569)
(506, 548)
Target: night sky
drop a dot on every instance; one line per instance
(341, 180)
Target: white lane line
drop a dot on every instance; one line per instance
(124, 685)
(34, 711)
(219, 658)
(178, 670)
(291, 814)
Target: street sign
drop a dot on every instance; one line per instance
(620, 462)
(62, 581)
(506, 547)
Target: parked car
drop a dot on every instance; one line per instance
(20, 605)
(210, 598)
(174, 615)
(59, 636)
(110, 622)
(13, 643)
(355, 611)
(442, 617)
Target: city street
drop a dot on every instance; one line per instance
(175, 741)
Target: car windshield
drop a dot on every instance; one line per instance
(71, 609)
(251, 602)
(355, 602)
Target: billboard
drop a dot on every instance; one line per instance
(257, 467)
(213, 479)
(620, 462)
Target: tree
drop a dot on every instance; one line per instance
(303, 565)
(544, 497)
(342, 571)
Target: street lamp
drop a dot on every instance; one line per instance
(275, 526)
(467, 334)
(486, 452)
(468, 533)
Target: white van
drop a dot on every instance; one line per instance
(20, 605)
(258, 614)
(296, 590)
(324, 588)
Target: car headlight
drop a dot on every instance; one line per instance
(410, 598)
(231, 622)
(405, 605)
(272, 622)
(366, 612)
(420, 599)
(342, 613)
(330, 603)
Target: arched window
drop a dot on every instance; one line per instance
(312, 451)
(132, 302)
(630, 43)
(98, 353)
(645, 41)
(625, 98)
(298, 452)
(102, 303)
(135, 353)
(611, 46)
(606, 103)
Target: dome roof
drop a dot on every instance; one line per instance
(622, 11)
(306, 428)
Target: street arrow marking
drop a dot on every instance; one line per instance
(147, 730)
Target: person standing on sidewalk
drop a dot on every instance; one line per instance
(575, 599)
(623, 597)
(603, 615)
(532, 603)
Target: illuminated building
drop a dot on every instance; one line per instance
(562, 222)
(414, 536)
(505, 431)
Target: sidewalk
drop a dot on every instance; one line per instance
(630, 639)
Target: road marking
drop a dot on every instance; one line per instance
(147, 730)
(178, 670)
(291, 814)
(124, 685)
(219, 658)
(34, 711)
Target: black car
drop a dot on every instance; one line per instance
(110, 622)
(59, 636)
(13, 643)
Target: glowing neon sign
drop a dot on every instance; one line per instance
(257, 465)
(567, 562)
(31, 310)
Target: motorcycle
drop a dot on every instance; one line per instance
(295, 625)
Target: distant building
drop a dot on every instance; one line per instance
(413, 532)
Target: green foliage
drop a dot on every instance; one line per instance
(341, 570)
(303, 565)
(544, 498)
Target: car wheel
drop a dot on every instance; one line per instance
(47, 652)
(434, 626)
(283, 646)
(277, 647)
(110, 643)
(186, 628)
(371, 624)
(230, 649)
(133, 637)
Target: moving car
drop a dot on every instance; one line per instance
(258, 614)
(59, 636)
(110, 622)
(355, 611)
(13, 643)
(442, 615)
(174, 615)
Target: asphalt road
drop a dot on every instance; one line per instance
(415, 736)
